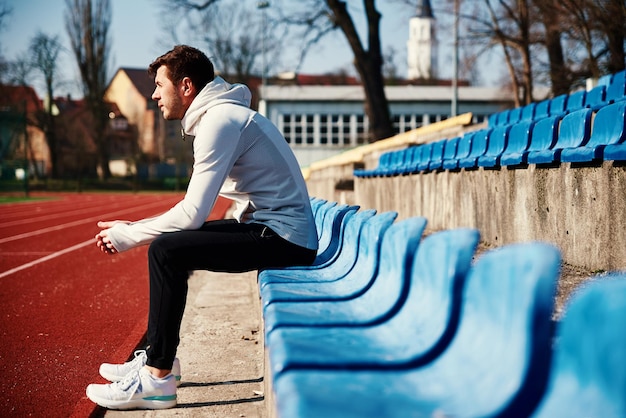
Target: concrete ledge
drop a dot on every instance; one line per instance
(582, 210)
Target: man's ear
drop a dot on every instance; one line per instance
(187, 87)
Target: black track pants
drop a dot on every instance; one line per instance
(224, 246)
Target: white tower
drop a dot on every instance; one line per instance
(422, 43)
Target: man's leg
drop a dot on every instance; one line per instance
(226, 246)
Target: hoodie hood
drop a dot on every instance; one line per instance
(215, 93)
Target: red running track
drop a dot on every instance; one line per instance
(66, 307)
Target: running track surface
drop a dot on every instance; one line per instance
(66, 307)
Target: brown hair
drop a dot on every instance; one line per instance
(185, 61)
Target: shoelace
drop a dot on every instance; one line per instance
(140, 356)
(127, 383)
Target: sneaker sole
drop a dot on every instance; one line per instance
(150, 402)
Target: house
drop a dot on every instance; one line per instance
(21, 138)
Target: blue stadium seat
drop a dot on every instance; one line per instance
(514, 115)
(609, 128)
(411, 163)
(576, 101)
(616, 90)
(479, 146)
(596, 98)
(588, 373)
(519, 139)
(574, 131)
(496, 364)
(345, 287)
(436, 155)
(383, 161)
(503, 117)
(558, 105)
(449, 150)
(492, 120)
(332, 235)
(376, 304)
(497, 142)
(528, 112)
(463, 149)
(542, 109)
(418, 333)
(394, 163)
(340, 265)
(425, 156)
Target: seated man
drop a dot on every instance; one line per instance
(238, 154)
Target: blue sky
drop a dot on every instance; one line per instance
(136, 33)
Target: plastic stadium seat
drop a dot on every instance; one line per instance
(519, 139)
(377, 303)
(436, 155)
(542, 109)
(574, 131)
(479, 146)
(528, 112)
(609, 127)
(588, 373)
(412, 160)
(339, 267)
(616, 90)
(503, 117)
(498, 138)
(350, 285)
(463, 149)
(596, 98)
(492, 120)
(383, 161)
(418, 333)
(449, 150)
(514, 115)
(558, 105)
(576, 101)
(425, 156)
(496, 364)
(332, 236)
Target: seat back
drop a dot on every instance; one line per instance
(574, 130)
(616, 90)
(528, 111)
(519, 137)
(542, 109)
(332, 232)
(558, 105)
(389, 289)
(505, 330)
(436, 156)
(514, 115)
(588, 374)
(544, 133)
(498, 139)
(449, 149)
(609, 125)
(576, 101)
(596, 97)
(465, 145)
(425, 157)
(430, 316)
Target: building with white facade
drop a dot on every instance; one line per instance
(422, 44)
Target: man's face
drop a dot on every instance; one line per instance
(170, 97)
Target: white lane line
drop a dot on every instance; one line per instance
(48, 257)
(50, 216)
(109, 216)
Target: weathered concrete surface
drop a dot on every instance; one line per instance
(581, 210)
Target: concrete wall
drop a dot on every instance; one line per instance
(582, 210)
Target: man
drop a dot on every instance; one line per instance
(238, 154)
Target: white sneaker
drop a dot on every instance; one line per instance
(139, 389)
(116, 372)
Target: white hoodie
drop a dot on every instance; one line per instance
(240, 155)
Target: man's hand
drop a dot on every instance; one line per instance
(102, 238)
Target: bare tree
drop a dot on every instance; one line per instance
(46, 51)
(312, 20)
(87, 23)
